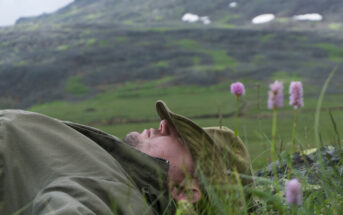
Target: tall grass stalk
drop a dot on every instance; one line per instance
(241, 190)
(319, 105)
(326, 186)
(214, 199)
(335, 129)
(20, 211)
(258, 96)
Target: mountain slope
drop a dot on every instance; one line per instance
(78, 61)
(90, 45)
(133, 13)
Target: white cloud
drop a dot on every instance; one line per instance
(263, 18)
(11, 10)
(309, 17)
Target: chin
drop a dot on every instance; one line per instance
(132, 139)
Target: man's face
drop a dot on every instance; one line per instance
(164, 143)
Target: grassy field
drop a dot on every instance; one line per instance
(131, 107)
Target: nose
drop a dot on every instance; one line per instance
(167, 129)
(164, 129)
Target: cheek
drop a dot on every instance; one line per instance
(175, 175)
(154, 150)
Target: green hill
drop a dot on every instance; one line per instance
(81, 49)
(135, 13)
(76, 61)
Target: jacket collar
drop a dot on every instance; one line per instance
(148, 173)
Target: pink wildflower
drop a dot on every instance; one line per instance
(275, 95)
(293, 192)
(237, 89)
(296, 94)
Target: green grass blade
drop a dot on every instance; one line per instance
(319, 105)
(334, 124)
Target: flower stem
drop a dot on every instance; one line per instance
(273, 148)
(293, 133)
(294, 130)
(236, 115)
(292, 143)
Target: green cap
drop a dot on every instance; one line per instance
(217, 151)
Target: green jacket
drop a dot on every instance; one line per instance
(49, 166)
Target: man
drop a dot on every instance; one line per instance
(52, 167)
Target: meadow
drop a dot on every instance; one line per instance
(131, 107)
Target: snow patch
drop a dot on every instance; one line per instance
(233, 4)
(309, 17)
(192, 18)
(205, 20)
(189, 17)
(263, 18)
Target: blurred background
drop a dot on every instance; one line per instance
(104, 63)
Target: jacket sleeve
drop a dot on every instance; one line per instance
(89, 196)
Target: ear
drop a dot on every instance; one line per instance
(191, 193)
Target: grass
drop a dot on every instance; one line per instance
(136, 101)
(112, 110)
(132, 95)
(91, 41)
(196, 60)
(335, 26)
(227, 19)
(63, 47)
(103, 43)
(188, 44)
(75, 86)
(162, 64)
(286, 77)
(94, 16)
(266, 37)
(335, 51)
(221, 59)
(3, 44)
(121, 39)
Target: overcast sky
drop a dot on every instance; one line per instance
(11, 10)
